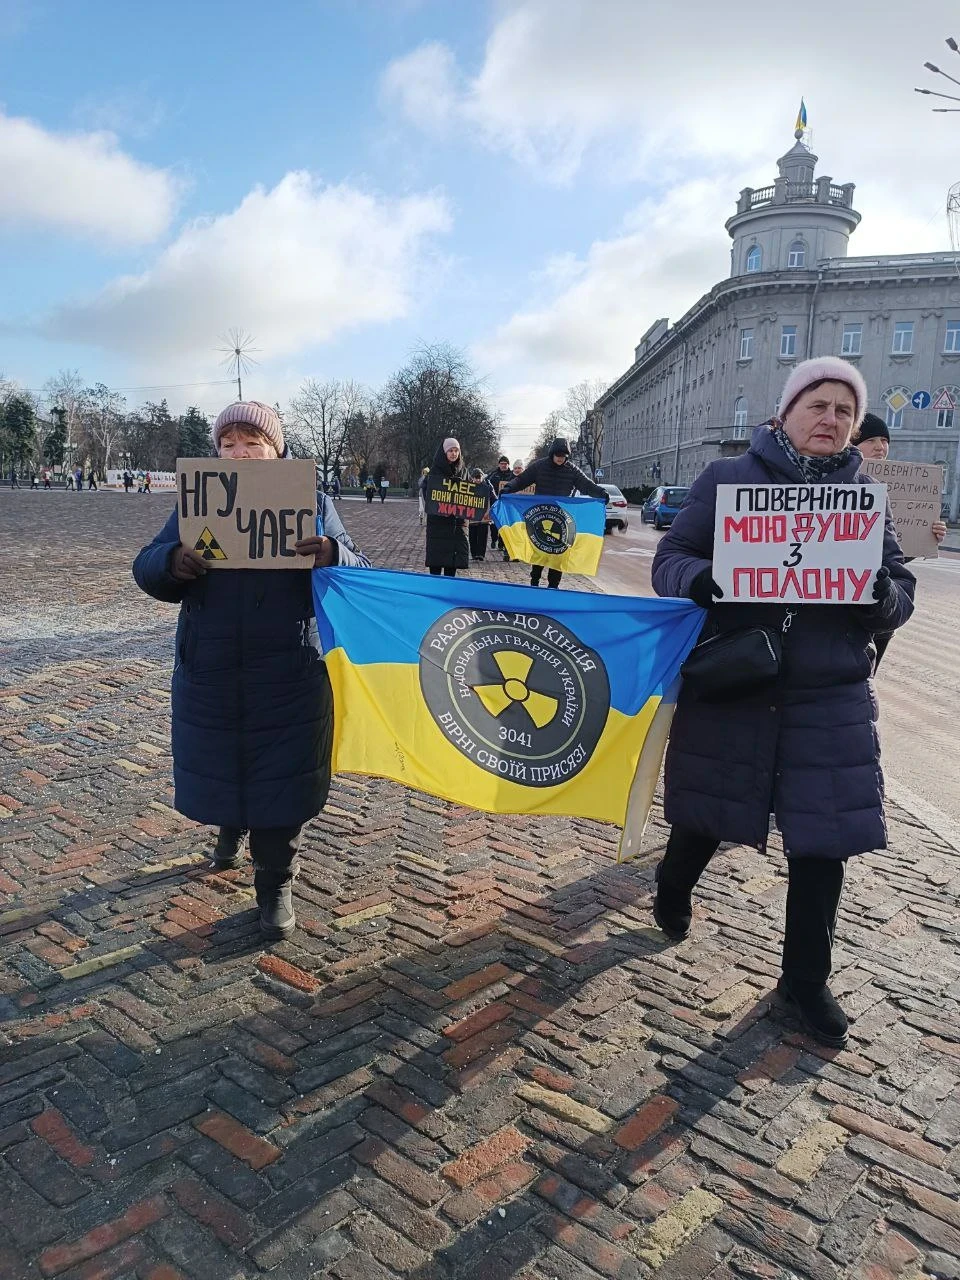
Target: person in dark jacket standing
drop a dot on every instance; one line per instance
(252, 707)
(447, 548)
(497, 480)
(554, 475)
(806, 748)
(479, 530)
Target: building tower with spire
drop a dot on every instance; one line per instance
(697, 387)
(795, 223)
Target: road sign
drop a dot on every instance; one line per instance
(944, 400)
(921, 399)
(599, 474)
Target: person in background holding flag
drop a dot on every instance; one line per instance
(804, 748)
(252, 707)
(447, 547)
(554, 475)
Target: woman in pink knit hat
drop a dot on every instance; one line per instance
(252, 707)
(803, 745)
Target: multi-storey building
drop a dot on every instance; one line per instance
(696, 387)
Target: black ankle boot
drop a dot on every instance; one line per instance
(275, 900)
(672, 910)
(228, 854)
(818, 1010)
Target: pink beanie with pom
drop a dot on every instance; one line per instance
(250, 413)
(824, 369)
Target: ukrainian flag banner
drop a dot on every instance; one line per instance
(559, 533)
(483, 694)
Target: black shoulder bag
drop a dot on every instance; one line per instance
(736, 663)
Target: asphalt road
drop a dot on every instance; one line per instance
(918, 683)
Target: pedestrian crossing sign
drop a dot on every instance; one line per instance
(209, 547)
(944, 400)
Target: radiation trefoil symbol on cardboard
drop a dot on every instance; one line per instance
(208, 547)
(518, 694)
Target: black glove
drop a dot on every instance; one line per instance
(884, 593)
(703, 590)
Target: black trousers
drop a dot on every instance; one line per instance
(447, 570)
(478, 533)
(274, 850)
(814, 886)
(553, 576)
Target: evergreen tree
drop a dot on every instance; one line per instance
(194, 440)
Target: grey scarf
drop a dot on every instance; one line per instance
(813, 470)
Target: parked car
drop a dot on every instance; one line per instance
(662, 505)
(616, 510)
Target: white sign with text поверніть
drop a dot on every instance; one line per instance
(798, 543)
(247, 513)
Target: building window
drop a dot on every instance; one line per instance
(746, 344)
(788, 342)
(852, 340)
(740, 415)
(903, 338)
(754, 259)
(895, 400)
(797, 254)
(951, 341)
(945, 419)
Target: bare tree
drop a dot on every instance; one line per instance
(364, 436)
(576, 421)
(101, 422)
(318, 421)
(434, 396)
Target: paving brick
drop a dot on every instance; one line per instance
(485, 1157)
(238, 1140)
(650, 1119)
(137, 1218)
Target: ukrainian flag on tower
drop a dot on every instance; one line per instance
(801, 118)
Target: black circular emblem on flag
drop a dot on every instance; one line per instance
(518, 694)
(550, 528)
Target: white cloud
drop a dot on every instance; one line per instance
(295, 266)
(81, 183)
(423, 84)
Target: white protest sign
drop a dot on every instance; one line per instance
(798, 543)
(914, 490)
(247, 513)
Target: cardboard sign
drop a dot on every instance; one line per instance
(798, 543)
(247, 513)
(465, 499)
(914, 490)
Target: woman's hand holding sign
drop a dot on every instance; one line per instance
(321, 548)
(186, 565)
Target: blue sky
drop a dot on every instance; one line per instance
(532, 180)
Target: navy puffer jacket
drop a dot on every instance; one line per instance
(252, 708)
(806, 750)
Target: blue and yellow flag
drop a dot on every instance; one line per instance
(503, 698)
(559, 533)
(801, 117)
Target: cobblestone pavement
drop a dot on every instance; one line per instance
(474, 1058)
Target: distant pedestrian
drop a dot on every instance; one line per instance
(335, 489)
(68, 482)
(146, 483)
(78, 480)
(496, 480)
(127, 481)
(46, 478)
(14, 482)
(369, 489)
(91, 480)
(384, 486)
(447, 548)
(34, 482)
